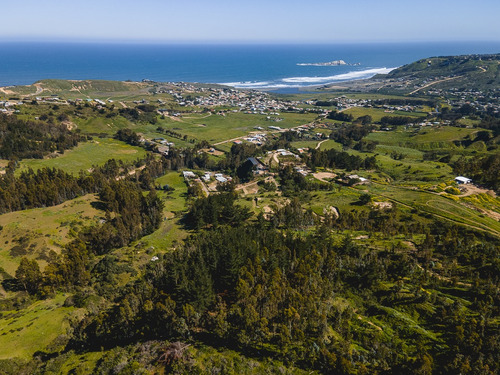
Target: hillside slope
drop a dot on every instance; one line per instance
(432, 75)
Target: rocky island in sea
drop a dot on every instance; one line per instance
(329, 63)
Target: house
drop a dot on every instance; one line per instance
(256, 166)
(356, 177)
(221, 179)
(188, 174)
(462, 180)
(163, 150)
(206, 177)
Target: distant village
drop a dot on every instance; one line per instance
(221, 100)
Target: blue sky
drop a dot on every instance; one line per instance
(305, 21)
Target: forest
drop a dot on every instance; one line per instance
(34, 139)
(259, 288)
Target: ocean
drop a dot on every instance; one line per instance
(271, 67)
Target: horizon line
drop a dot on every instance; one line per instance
(236, 42)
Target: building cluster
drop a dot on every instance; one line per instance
(254, 102)
(7, 106)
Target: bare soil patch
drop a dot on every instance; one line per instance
(323, 176)
(382, 205)
(214, 152)
(470, 189)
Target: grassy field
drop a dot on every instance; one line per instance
(87, 154)
(442, 134)
(377, 113)
(437, 205)
(425, 139)
(305, 144)
(103, 125)
(215, 128)
(35, 232)
(330, 144)
(26, 331)
(342, 199)
(170, 230)
(100, 124)
(95, 89)
(412, 169)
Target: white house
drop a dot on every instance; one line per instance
(462, 180)
(221, 179)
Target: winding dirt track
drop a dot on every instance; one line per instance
(433, 83)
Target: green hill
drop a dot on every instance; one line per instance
(432, 75)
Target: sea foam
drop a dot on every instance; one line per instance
(246, 84)
(297, 82)
(339, 77)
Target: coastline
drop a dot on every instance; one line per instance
(263, 67)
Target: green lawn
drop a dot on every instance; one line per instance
(87, 154)
(35, 232)
(329, 144)
(32, 329)
(304, 144)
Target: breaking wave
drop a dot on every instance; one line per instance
(339, 77)
(247, 84)
(296, 82)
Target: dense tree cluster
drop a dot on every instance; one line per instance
(253, 287)
(340, 116)
(397, 120)
(484, 170)
(492, 123)
(128, 136)
(215, 210)
(365, 145)
(347, 134)
(135, 215)
(143, 113)
(339, 159)
(33, 139)
(293, 183)
(326, 103)
(180, 158)
(45, 187)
